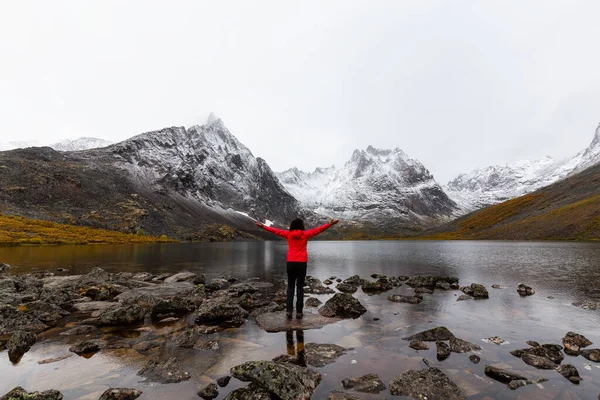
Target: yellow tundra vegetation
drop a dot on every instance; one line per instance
(16, 231)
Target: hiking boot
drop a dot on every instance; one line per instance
(288, 315)
(298, 315)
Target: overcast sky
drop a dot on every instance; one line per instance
(456, 84)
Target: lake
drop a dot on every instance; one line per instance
(560, 272)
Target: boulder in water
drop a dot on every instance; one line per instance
(428, 383)
(342, 305)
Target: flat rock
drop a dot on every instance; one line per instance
(342, 305)
(55, 359)
(428, 383)
(163, 291)
(164, 372)
(538, 361)
(186, 276)
(569, 372)
(287, 381)
(92, 306)
(369, 383)
(19, 393)
(120, 394)
(553, 352)
(432, 335)
(319, 355)
(277, 322)
(80, 330)
(398, 298)
(502, 375)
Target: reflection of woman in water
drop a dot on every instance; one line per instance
(297, 258)
(298, 351)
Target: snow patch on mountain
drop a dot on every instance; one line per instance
(78, 144)
(484, 187)
(375, 185)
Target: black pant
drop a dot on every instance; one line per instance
(296, 272)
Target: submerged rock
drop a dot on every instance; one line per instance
(80, 330)
(518, 383)
(502, 375)
(19, 343)
(369, 383)
(319, 355)
(443, 350)
(418, 345)
(277, 322)
(164, 372)
(462, 346)
(209, 391)
(398, 298)
(19, 393)
(570, 373)
(587, 305)
(464, 297)
(287, 381)
(432, 335)
(525, 290)
(121, 394)
(429, 383)
(346, 287)
(553, 352)
(538, 361)
(495, 339)
(592, 354)
(574, 342)
(342, 305)
(423, 290)
(337, 395)
(431, 281)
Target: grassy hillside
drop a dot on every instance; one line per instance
(566, 210)
(24, 231)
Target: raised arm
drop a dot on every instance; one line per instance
(278, 232)
(314, 232)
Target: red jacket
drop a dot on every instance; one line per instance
(297, 241)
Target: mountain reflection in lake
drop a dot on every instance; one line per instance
(566, 272)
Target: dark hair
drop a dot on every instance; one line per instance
(297, 225)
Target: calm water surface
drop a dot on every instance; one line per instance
(564, 271)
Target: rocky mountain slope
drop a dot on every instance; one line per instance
(566, 210)
(174, 181)
(386, 187)
(82, 143)
(494, 184)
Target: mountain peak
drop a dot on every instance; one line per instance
(212, 118)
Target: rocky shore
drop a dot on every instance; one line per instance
(84, 311)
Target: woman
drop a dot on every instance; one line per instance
(297, 258)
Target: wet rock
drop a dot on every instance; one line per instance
(443, 285)
(80, 330)
(423, 290)
(338, 280)
(217, 284)
(327, 282)
(443, 350)
(319, 355)
(342, 305)
(476, 290)
(164, 372)
(498, 287)
(464, 297)
(214, 312)
(462, 346)
(121, 394)
(223, 381)
(569, 372)
(243, 288)
(432, 335)
(55, 359)
(346, 287)
(186, 276)
(250, 392)
(277, 322)
(273, 307)
(122, 315)
(538, 361)
(19, 393)
(287, 381)
(418, 345)
(431, 281)
(369, 383)
(91, 306)
(19, 343)
(168, 320)
(376, 287)
(195, 338)
(587, 305)
(337, 395)
(574, 342)
(354, 280)
(45, 312)
(592, 354)
(315, 286)
(161, 277)
(143, 276)
(502, 375)
(519, 383)
(313, 302)
(209, 391)
(553, 352)
(475, 359)
(525, 290)
(495, 339)
(175, 306)
(398, 298)
(12, 319)
(532, 343)
(429, 383)
(88, 346)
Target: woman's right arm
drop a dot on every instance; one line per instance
(278, 232)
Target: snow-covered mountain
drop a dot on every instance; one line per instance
(82, 143)
(206, 164)
(483, 187)
(374, 185)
